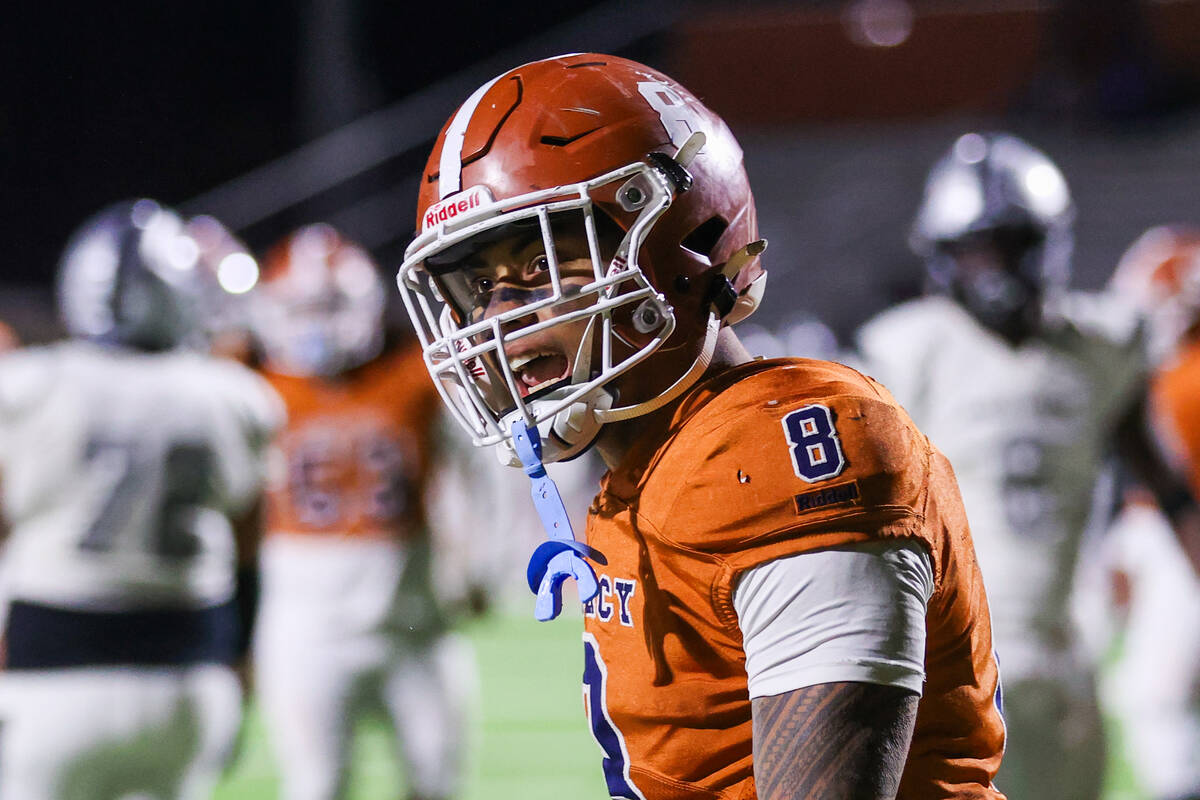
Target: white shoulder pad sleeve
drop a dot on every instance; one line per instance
(851, 613)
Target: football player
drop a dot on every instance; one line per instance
(127, 459)
(1153, 688)
(349, 619)
(1025, 387)
(777, 567)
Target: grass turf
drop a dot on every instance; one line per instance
(532, 741)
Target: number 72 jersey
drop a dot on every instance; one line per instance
(120, 471)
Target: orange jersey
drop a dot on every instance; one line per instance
(1175, 394)
(770, 460)
(354, 457)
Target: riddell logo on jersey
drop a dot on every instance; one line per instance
(841, 494)
(454, 205)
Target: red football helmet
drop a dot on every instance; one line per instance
(318, 309)
(641, 172)
(1160, 273)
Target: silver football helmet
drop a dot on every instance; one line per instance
(129, 275)
(995, 229)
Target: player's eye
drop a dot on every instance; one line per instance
(539, 263)
(482, 286)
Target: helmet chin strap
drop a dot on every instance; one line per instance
(685, 382)
(742, 307)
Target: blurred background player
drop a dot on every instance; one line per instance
(350, 621)
(1026, 388)
(1153, 686)
(127, 458)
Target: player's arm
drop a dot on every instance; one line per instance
(832, 740)
(835, 644)
(1145, 459)
(247, 531)
(264, 416)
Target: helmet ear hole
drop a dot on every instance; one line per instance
(704, 237)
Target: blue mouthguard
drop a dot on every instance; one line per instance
(560, 556)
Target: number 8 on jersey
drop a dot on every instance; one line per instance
(816, 450)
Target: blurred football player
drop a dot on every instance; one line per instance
(1153, 688)
(1026, 388)
(127, 460)
(784, 564)
(349, 618)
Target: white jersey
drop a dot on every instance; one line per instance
(120, 471)
(1028, 430)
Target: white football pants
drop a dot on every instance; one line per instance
(116, 733)
(348, 628)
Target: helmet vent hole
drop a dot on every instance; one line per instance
(563, 141)
(704, 237)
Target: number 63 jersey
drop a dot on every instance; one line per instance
(764, 462)
(120, 471)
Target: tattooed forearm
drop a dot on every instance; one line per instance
(835, 740)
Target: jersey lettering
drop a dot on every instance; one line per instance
(186, 470)
(1029, 505)
(309, 478)
(333, 477)
(624, 590)
(387, 485)
(616, 758)
(815, 446)
(604, 607)
(601, 606)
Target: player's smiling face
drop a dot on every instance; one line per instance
(515, 272)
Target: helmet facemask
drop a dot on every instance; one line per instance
(998, 277)
(545, 338)
(994, 229)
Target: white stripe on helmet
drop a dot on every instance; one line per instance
(450, 164)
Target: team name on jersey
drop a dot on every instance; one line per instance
(613, 601)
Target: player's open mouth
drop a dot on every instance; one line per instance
(539, 370)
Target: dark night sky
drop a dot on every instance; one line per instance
(168, 99)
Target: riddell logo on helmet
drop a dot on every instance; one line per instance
(454, 205)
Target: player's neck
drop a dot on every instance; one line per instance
(617, 439)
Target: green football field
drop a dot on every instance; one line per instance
(532, 741)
